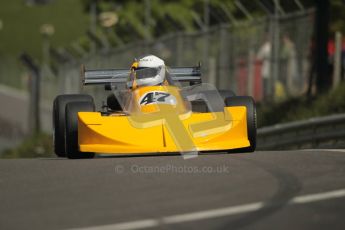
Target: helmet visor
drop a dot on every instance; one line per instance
(143, 73)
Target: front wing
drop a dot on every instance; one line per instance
(118, 135)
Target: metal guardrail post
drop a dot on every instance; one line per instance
(34, 114)
(337, 59)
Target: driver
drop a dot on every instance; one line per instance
(147, 71)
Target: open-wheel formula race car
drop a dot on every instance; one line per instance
(152, 114)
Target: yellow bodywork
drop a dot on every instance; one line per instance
(148, 131)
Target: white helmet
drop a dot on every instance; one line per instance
(148, 70)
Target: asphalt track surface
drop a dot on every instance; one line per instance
(261, 190)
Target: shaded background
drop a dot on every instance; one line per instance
(283, 53)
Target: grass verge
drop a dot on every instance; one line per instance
(39, 145)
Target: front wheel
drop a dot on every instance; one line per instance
(72, 145)
(249, 103)
(59, 121)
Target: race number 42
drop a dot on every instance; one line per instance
(157, 97)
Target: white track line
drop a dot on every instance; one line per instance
(328, 150)
(140, 224)
(212, 213)
(227, 211)
(318, 197)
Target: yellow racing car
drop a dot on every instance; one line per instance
(151, 110)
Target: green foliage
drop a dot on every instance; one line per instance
(21, 33)
(22, 23)
(132, 16)
(39, 145)
(139, 20)
(302, 108)
(71, 20)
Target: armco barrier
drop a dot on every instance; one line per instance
(320, 132)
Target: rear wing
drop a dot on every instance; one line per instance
(116, 76)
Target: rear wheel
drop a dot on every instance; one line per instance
(59, 107)
(226, 93)
(215, 101)
(72, 145)
(249, 103)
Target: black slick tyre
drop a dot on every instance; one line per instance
(59, 107)
(72, 146)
